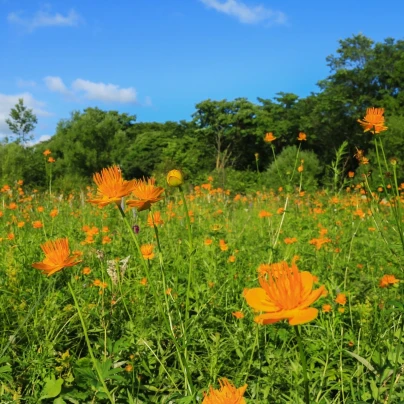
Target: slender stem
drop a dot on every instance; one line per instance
(90, 350)
(167, 322)
(398, 349)
(190, 251)
(304, 365)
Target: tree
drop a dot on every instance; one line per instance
(22, 122)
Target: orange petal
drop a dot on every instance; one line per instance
(314, 295)
(259, 300)
(304, 316)
(307, 282)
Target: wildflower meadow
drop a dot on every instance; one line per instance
(139, 291)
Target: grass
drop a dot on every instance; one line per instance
(124, 335)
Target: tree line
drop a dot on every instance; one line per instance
(226, 137)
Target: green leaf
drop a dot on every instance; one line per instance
(364, 362)
(52, 388)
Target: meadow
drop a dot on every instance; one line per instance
(157, 296)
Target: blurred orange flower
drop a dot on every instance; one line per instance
(269, 137)
(147, 251)
(388, 280)
(57, 257)
(341, 299)
(302, 136)
(156, 218)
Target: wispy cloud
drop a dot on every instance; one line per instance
(21, 83)
(245, 13)
(104, 92)
(55, 84)
(92, 90)
(8, 101)
(45, 19)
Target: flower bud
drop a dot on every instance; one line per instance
(175, 178)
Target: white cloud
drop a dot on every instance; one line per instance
(246, 14)
(104, 92)
(44, 138)
(8, 101)
(92, 90)
(45, 19)
(25, 83)
(55, 84)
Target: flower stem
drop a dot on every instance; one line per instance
(90, 350)
(304, 365)
(167, 322)
(190, 251)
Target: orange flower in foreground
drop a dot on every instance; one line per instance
(388, 280)
(57, 257)
(47, 152)
(373, 120)
(111, 187)
(269, 137)
(147, 251)
(146, 193)
(285, 293)
(302, 136)
(226, 394)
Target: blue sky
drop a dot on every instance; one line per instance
(158, 58)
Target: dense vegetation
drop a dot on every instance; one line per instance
(223, 137)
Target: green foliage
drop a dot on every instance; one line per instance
(18, 162)
(238, 181)
(22, 122)
(283, 171)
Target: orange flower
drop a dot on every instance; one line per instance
(143, 281)
(147, 251)
(146, 194)
(285, 293)
(373, 121)
(111, 187)
(156, 218)
(37, 224)
(208, 241)
(269, 137)
(351, 174)
(51, 160)
(226, 394)
(388, 280)
(47, 152)
(57, 257)
(54, 213)
(264, 213)
(223, 246)
(238, 314)
(327, 308)
(86, 271)
(290, 240)
(302, 136)
(341, 299)
(232, 258)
